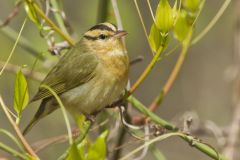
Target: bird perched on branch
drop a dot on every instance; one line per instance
(90, 76)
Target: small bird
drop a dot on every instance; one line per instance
(90, 76)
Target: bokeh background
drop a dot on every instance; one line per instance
(204, 84)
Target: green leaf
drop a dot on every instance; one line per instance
(81, 149)
(98, 149)
(155, 38)
(31, 12)
(191, 5)
(73, 153)
(164, 16)
(21, 95)
(182, 27)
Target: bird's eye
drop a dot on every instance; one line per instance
(102, 36)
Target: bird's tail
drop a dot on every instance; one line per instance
(30, 125)
(43, 111)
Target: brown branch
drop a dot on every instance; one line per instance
(42, 144)
(24, 142)
(12, 14)
(157, 101)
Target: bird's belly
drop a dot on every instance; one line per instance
(93, 95)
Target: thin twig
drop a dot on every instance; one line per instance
(63, 111)
(213, 21)
(17, 130)
(117, 14)
(44, 143)
(14, 47)
(143, 25)
(52, 25)
(153, 106)
(178, 64)
(12, 14)
(102, 15)
(146, 71)
(57, 15)
(23, 42)
(146, 146)
(205, 148)
(118, 19)
(150, 8)
(12, 151)
(27, 72)
(86, 127)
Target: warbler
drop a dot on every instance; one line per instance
(90, 76)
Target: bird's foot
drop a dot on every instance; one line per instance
(90, 117)
(116, 104)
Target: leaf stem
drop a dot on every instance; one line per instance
(12, 151)
(157, 101)
(146, 71)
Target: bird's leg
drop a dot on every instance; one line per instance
(117, 103)
(90, 117)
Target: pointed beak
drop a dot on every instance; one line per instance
(120, 34)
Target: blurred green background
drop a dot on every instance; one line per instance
(204, 84)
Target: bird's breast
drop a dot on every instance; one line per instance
(105, 88)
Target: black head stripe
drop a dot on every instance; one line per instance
(101, 27)
(90, 38)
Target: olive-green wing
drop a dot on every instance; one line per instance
(75, 68)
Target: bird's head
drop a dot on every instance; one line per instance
(104, 38)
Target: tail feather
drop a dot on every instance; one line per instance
(43, 111)
(30, 125)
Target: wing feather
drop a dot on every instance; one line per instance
(75, 68)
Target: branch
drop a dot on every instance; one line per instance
(23, 42)
(146, 71)
(14, 47)
(205, 148)
(17, 130)
(12, 151)
(57, 12)
(213, 21)
(52, 25)
(103, 6)
(27, 72)
(12, 14)
(167, 86)
(86, 127)
(157, 101)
